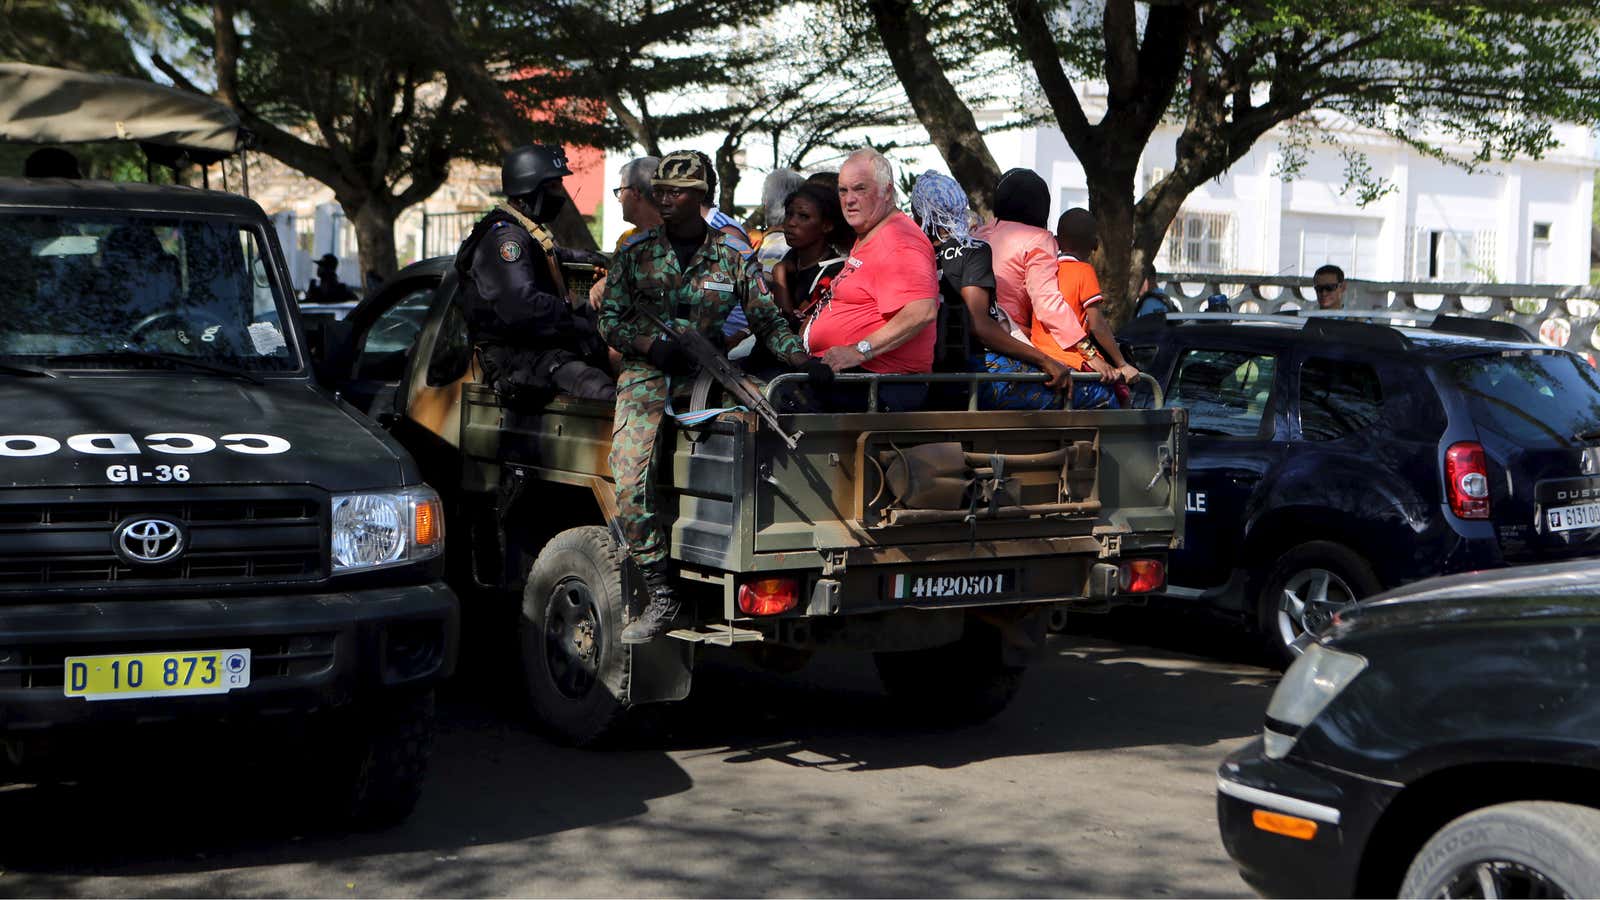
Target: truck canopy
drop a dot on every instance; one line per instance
(41, 105)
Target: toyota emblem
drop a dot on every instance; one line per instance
(149, 541)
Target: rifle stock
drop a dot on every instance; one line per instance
(738, 386)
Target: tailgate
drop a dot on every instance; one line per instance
(866, 480)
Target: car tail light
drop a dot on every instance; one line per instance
(768, 596)
(1466, 477)
(1141, 576)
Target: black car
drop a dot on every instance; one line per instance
(1330, 459)
(1438, 741)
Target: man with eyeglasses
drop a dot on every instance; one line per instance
(695, 276)
(638, 209)
(1328, 282)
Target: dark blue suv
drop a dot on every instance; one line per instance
(1332, 458)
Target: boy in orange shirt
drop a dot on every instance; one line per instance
(1077, 236)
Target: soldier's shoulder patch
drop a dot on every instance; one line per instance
(636, 238)
(739, 246)
(510, 251)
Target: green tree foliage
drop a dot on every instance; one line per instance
(1492, 77)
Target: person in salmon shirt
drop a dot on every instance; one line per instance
(878, 312)
(1026, 274)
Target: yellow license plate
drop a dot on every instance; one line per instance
(127, 676)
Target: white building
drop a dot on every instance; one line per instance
(1524, 221)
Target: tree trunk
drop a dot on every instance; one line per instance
(939, 107)
(1111, 202)
(374, 225)
(727, 177)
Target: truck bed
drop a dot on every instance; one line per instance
(1074, 487)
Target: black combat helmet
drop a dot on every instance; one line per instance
(527, 167)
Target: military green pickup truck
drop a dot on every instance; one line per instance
(940, 541)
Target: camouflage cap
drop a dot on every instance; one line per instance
(680, 169)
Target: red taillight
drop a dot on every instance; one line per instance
(1141, 576)
(1466, 478)
(768, 596)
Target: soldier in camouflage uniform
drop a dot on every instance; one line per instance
(695, 276)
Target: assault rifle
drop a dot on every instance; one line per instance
(735, 382)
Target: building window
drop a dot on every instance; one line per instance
(1200, 242)
(1445, 255)
(1539, 260)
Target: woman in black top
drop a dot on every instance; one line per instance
(819, 242)
(966, 285)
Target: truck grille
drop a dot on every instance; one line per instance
(48, 543)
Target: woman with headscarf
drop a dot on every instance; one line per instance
(967, 284)
(1025, 265)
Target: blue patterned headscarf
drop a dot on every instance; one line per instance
(941, 204)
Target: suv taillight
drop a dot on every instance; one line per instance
(1466, 478)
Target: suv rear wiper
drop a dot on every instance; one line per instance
(172, 358)
(11, 368)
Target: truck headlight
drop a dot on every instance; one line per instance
(386, 528)
(1305, 691)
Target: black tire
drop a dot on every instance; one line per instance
(573, 611)
(380, 754)
(1302, 568)
(1527, 849)
(963, 683)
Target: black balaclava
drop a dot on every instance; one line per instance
(1022, 196)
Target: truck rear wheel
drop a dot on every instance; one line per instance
(573, 611)
(380, 757)
(963, 683)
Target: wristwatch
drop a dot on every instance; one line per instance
(1088, 349)
(864, 347)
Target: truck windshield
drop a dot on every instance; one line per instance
(96, 286)
(1537, 399)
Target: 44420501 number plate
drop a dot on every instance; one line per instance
(951, 586)
(128, 676)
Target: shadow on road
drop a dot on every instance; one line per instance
(1086, 692)
(495, 782)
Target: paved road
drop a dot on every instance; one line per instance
(1097, 781)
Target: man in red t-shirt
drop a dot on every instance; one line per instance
(881, 304)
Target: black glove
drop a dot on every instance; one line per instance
(817, 372)
(583, 257)
(670, 357)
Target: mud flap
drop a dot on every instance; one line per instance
(660, 671)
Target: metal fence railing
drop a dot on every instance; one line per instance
(442, 233)
(1561, 315)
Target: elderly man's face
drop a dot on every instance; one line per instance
(636, 203)
(865, 201)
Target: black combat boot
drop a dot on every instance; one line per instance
(659, 614)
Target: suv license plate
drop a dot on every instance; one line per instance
(963, 585)
(1566, 518)
(128, 676)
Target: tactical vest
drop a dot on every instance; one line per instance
(547, 276)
